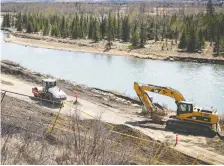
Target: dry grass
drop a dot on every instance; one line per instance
(25, 140)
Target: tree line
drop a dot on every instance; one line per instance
(188, 32)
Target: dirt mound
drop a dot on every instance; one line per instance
(130, 131)
(90, 123)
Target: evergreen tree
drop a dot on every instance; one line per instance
(183, 41)
(109, 30)
(174, 27)
(63, 28)
(150, 35)
(118, 25)
(36, 25)
(85, 27)
(142, 33)
(135, 35)
(8, 20)
(125, 29)
(4, 21)
(46, 27)
(29, 28)
(72, 27)
(218, 48)
(222, 46)
(96, 30)
(210, 8)
(90, 27)
(77, 20)
(211, 30)
(75, 31)
(55, 30)
(114, 27)
(192, 43)
(81, 26)
(19, 22)
(201, 40)
(163, 28)
(103, 26)
(222, 25)
(210, 21)
(156, 32)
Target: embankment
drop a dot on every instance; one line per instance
(108, 98)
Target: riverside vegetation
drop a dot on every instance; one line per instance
(188, 32)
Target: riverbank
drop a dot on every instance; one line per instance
(107, 98)
(116, 109)
(152, 50)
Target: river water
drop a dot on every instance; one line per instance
(202, 84)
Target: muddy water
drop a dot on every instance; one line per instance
(199, 83)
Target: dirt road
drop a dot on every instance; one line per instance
(188, 144)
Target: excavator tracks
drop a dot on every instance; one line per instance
(189, 127)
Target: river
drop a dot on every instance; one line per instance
(202, 84)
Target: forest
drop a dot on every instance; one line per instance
(189, 32)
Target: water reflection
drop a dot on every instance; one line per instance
(6, 35)
(135, 62)
(183, 66)
(109, 59)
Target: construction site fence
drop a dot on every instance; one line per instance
(53, 124)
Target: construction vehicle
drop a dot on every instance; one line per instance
(49, 91)
(188, 118)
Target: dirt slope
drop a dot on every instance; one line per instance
(23, 132)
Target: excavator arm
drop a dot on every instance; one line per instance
(159, 90)
(143, 96)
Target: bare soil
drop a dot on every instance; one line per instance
(21, 119)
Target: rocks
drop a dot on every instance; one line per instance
(171, 59)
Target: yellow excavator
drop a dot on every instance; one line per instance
(188, 118)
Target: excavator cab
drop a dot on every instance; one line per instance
(184, 107)
(48, 83)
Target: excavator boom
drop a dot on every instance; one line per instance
(161, 90)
